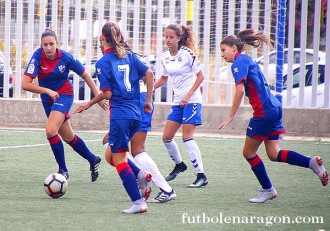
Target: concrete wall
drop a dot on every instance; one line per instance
(29, 113)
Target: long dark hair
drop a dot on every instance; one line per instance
(186, 35)
(247, 36)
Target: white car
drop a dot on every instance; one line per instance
(226, 76)
(307, 89)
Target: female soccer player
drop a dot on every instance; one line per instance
(266, 123)
(182, 65)
(52, 65)
(149, 169)
(119, 73)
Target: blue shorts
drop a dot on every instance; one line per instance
(146, 117)
(62, 104)
(121, 131)
(190, 114)
(268, 127)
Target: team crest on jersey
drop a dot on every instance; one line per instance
(179, 59)
(236, 70)
(31, 68)
(61, 68)
(98, 70)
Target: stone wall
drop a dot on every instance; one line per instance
(28, 113)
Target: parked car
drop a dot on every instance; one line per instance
(143, 58)
(307, 89)
(2, 75)
(225, 72)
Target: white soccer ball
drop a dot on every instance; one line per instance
(55, 185)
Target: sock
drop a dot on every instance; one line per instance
(258, 167)
(146, 163)
(173, 151)
(194, 154)
(58, 150)
(80, 147)
(133, 166)
(293, 158)
(129, 181)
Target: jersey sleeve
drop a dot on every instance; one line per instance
(75, 65)
(239, 70)
(102, 76)
(33, 65)
(196, 65)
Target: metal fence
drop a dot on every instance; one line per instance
(78, 24)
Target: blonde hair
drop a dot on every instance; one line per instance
(113, 36)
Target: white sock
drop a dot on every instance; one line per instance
(147, 164)
(194, 154)
(173, 151)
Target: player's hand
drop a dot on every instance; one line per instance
(147, 107)
(82, 108)
(185, 100)
(227, 121)
(53, 94)
(104, 104)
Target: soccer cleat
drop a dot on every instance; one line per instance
(95, 169)
(316, 164)
(144, 182)
(201, 181)
(163, 197)
(138, 207)
(65, 174)
(264, 195)
(177, 169)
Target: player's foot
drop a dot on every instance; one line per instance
(144, 182)
(163, 197)
(264, 195)
(95, 168)
(138, 207)
(201, 181)
(65, 174)
(177, 169)
(316, 164)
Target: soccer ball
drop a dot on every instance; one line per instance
(55, 185)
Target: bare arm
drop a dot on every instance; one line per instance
(28, 85)
(149, 79)
(239, 93)
(103, 95)
(90, 82)
(160, 82)
(198, 81)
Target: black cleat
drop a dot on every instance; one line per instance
(177, 169)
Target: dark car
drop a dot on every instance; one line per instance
(2, 74)
(152, 62)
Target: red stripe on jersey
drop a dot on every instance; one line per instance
(66, 89)
(47, 66)
(55, 139)
(258, 110)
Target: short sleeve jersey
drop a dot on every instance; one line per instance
(122, 77)
(183, 69)
(53, 74)
(246, 70)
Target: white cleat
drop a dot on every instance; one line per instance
(144, 180)
(138, 207)
(264, 195)
(163, 197)
(316, 164)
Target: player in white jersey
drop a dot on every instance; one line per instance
(182, 65)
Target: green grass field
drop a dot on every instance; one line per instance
(26, 159)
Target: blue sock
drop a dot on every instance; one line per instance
(58, 150)
(258, 167)
(293, 158)
(134, 167)
(80, 147)
(129, 181)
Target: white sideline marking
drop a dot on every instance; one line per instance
(37, 145)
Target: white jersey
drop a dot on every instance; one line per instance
(182, 68)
